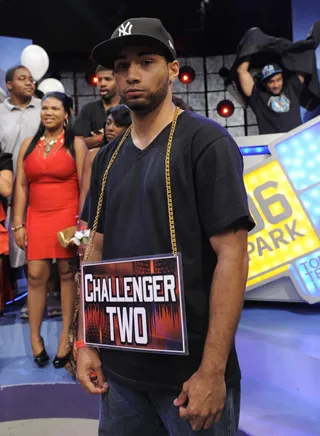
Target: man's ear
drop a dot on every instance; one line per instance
(9, 85)
(174, 68)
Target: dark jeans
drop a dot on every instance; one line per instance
(124, 412)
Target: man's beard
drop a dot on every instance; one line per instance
(150, 103)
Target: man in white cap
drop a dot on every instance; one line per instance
(160, 394)
(274, 99)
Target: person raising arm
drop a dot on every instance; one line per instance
(245, 78)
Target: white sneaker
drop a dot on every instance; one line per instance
(24, 314)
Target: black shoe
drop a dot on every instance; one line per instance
(60, 362)
(42, 358)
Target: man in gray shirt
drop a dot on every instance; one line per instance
(19, 113)
(3, 93)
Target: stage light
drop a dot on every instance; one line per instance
(91, 78)
(187, 74)
(225, 108)
(17, 298)
(223, 72)
(254, 150)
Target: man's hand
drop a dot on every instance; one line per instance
(202, 400)
(94, 140)
(81, 251)
(88, 361)
(98, 136)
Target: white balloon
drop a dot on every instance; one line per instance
(35, 58)
(51, 85)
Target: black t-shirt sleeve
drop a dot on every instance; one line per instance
(86, 209)
(82, 125)
(220, 190)
(295, 83)
(254, 97)
(93, 194)
(6, 161)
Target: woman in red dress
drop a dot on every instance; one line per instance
(49, 172)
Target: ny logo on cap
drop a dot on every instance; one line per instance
(125, 29)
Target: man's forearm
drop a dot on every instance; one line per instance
(5, 186)
(243, 67)
(226, 302)
(93, 141)
(95, 255)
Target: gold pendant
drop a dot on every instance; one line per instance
(47, 148)
(48, 145)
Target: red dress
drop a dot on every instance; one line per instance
(53, 200)
(4, 238)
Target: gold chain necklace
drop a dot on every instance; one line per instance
(48, 145)
(168, 189)
(99, 207)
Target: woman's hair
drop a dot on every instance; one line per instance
(68, 131)
(121, 115)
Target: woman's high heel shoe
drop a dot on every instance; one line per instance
(60, 362)
(42, 358)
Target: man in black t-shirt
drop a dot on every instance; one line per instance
(144, 393)
(274, 99)
(92, 118)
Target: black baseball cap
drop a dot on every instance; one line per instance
(134, 31)
(269, 71)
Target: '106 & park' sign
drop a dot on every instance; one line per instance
(284, 200)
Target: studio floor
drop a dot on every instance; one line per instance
(279, 352)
